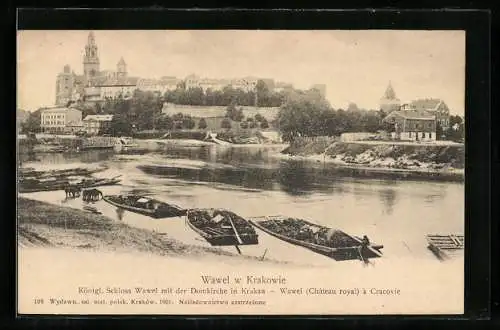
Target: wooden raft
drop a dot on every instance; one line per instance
(445, 246)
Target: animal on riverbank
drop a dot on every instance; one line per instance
(91, 195)
(72, 191)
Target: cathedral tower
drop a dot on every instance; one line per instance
(64, 86)
(90, 60)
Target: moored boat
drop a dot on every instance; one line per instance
(145, 205)
(330, 242)
(445, 246)
(97, 182)
(221, 227)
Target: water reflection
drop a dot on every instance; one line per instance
(93, 156)
(388, 198)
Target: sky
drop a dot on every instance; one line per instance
(355, 65)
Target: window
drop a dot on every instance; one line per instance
(409, 134)
(430, 135)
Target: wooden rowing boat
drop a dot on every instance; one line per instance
(56, 183)
(330, 242)
(445, 246)
(220, 227)
(97, 182)
(145, 205)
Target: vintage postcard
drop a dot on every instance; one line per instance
(237, 172)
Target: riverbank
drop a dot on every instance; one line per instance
(419, 161)
(42, 224)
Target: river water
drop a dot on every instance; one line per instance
(254, 181)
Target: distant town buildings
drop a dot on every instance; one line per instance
(416, 120)
(96, 85)
(60, 120)
(95, 124)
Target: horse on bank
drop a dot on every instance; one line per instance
(72, 191)
(91, 195)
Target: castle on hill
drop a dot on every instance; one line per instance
(93, 84)
(96, 85)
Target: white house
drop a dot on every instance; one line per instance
(57, 119)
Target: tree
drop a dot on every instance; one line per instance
(258, 117)
(202, 124)
(455, 120)
(233, 113)
(33, 122)
(352, 107)
(226, 124)
(119, 126)
(439, 131)
(188, 122)
(263, 123)
(303, 116)
(165, 123)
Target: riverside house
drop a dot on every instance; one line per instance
(58, 119)
(412, 125)
(94, 124)
(435, 107)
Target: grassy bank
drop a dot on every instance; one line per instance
(43, 224)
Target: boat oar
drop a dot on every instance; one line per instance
(235, 231)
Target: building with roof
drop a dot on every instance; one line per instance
(435, 107)
(87, 87)
(412, 125)
(94, 124)
(389, 101)
(60, 119)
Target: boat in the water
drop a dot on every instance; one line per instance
(97, 182)
(330, 242)
(445, 246)
(145, 205)
(27, 185)
(220, 227)
(31, 173)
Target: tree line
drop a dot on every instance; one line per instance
(261, 96)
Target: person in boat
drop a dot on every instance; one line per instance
(364, 249)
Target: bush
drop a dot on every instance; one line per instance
(226, 124)
(264, 123)
(202, 124)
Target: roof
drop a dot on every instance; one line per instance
(411, 114)
(58, 109)
(426, 104)
(99, 118)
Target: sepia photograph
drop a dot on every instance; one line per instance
(240, 172)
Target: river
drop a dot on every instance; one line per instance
(253, 181)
